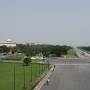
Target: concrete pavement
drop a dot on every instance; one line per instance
(43, 81)
(69, 74)
(69, 77)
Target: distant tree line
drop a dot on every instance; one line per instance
(87, 48)
(32, 50)
(5, 49)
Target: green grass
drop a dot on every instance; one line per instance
(7, 75)
(71, 54)
(88, 52)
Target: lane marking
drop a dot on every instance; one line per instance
(72, 64)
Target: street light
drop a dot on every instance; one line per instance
(48, 63)
(39, 68)
(36, 69)
(31, 75)
(14, 77)
(43, 65)
(24, 77)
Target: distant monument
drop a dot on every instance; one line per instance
(8, 43)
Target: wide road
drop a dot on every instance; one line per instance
(70, 75)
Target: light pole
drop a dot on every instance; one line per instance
(14, 77)
(39, 68)
(31, 75)
(43, 66)
(24, 78)
(36, 69)
(48, 63)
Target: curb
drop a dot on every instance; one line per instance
(42, 81)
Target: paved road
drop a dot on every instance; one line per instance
(70, 76)
(82, 60)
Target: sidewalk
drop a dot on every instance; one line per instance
(42, 82)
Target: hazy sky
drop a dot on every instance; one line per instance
(46, 21)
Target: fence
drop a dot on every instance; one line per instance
(15, 76)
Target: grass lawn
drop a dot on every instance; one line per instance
(88, 52)
(7, 75)
(71, 54)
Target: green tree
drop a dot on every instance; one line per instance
(4, 49)
(27, 60)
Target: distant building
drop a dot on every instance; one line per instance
(8, 43)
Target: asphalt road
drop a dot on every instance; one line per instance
(70, 75)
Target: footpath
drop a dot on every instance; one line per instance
(42, 82)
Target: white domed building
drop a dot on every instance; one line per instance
(8, 43)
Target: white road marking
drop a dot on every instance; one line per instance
(72, 64)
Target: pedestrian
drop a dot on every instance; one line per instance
(53, 69)
(47, 82)
(54, 66)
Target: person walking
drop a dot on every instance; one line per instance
(47, 82)
(54, 66)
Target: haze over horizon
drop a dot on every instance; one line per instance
(63, 22)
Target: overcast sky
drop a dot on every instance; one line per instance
(64, 22)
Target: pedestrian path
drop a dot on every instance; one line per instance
(42, 82)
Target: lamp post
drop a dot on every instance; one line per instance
(39, 68)
(31, 75)
(24, 72)
(24, 78)
(48, 63)
(43, 65)
(36, 69)
(14, 77)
